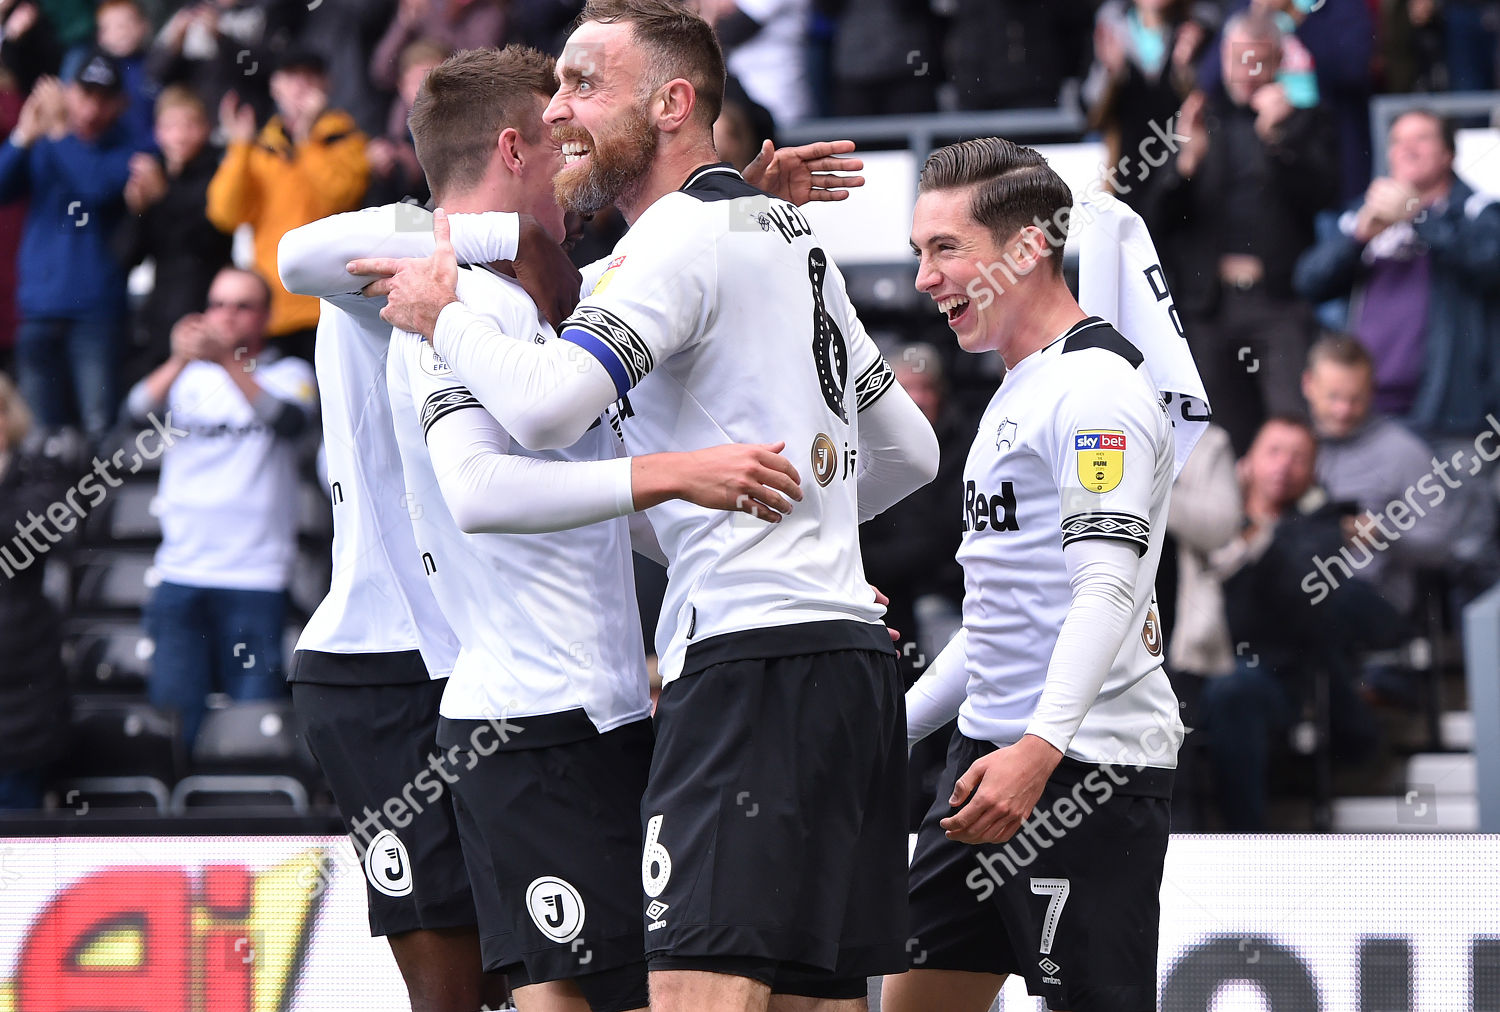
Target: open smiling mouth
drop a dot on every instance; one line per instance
(574, 151)
(954, 308)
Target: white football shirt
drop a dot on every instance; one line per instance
(547, 623)
(1075, 444)
(379, 601)
(228, 492)
(722, 308)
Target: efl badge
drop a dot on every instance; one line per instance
(1101, 458)
(608, 275)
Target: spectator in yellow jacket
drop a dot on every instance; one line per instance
(306, 163)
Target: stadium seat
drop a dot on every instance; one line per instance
(239, 791)
(83, 794)
(112, 737)
(252, 737)
(108, 656)
(126, 516)
(112, 581)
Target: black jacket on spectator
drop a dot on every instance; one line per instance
(33, 686)
(187, 250)
(1003, 54)
(1290, 181)
(252, 36)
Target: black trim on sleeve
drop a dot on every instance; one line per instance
(873, 383)
(442, 404)
(618, 336)
(1110, 524)
(1101, 335)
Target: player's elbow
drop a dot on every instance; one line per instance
(291, 266)
(1113, 590)
(547, 426)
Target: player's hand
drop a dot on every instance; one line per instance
(1002, 788)
(805, 173)
(751, 478)
(544, 270)
(418, 288)
(885, 602)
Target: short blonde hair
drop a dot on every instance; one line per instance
(15, 416)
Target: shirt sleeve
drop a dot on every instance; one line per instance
(651, 302)
(934, 698)
(1104, 438)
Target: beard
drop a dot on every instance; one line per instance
(617, 162)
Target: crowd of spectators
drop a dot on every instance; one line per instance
(1345, 327)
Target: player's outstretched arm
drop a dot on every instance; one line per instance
(490, 490)
(314, 259)
(545, 395)
(806, 172)
(898, 451)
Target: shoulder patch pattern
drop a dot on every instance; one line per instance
(443, 403)
(1109, 339)
(872, 383)
(619, 337)
(1112, 524)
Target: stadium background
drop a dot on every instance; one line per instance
(264, 907)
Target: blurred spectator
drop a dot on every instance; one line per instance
(1145, 54)
(29, 47)
(308, 162)
(1412, 49)
(123, 32)
(394, 170)
(345, 33)
(228, 530)
(743, 125)
(167, 196)
(1421, 256)
(1285, 636)
(1206, 515)
(452, 24)
(70, 155)
(1373, 462)
(1015, 54)
(542, 24)
(12, 221)
(1231, 214)
(1469, 31)
(885, 57)
(222, 46)
(73, 20)
(1340, 36)
(33, 688)
(765, 46)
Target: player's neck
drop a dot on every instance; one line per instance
(670, 170)
(1038, 323)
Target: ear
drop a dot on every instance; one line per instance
(673, 105)
(509, 148)
(1032, 247)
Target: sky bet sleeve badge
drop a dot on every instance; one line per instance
(1101, 458)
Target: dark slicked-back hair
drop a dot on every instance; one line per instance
(678, 43)
(467, 101)
(1013, 186)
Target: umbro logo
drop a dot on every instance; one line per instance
(1051, 969)
(654, 910)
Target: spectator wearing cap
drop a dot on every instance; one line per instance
(228, 532)
(122, 31)
(70, 156)
(167, 195)
(306, 163)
